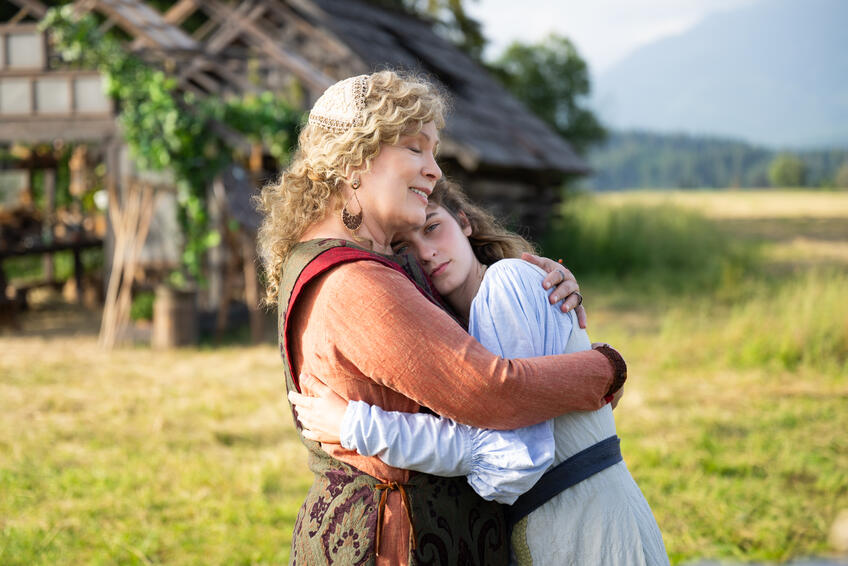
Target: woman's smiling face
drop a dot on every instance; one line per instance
(395, 189)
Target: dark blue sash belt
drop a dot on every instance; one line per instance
(574, 470)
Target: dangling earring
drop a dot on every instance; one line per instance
(352, 221)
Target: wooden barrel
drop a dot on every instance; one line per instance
(174, 318)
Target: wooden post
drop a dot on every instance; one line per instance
(226, 289)
(174, 318)
(77, 186)
(131, 223)
(113, 165)
(8, 306)
(78, 273)
(76, 165)
(221, 258)
(3, 282)
(251, 288)
(251, 278)
(49, 213)
(256, 154)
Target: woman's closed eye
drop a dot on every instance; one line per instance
(413, 149)
(400, 248)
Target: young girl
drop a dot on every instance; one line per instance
(587, 509)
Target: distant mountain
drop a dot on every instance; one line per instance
(774, 73)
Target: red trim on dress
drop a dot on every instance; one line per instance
(324, 262)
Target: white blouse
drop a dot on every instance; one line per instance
(512, 318)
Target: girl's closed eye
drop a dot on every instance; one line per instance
(400, 248)
(413, 149)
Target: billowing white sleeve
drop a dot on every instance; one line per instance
(500, 465)
(413, 441)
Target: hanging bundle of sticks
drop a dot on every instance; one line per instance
(130, 218)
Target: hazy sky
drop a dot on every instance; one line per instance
(603, 30)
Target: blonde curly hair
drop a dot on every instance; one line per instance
(490, 241)
(395, 105)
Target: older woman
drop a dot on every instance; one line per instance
(364, 169)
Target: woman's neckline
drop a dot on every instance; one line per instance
(350, 244)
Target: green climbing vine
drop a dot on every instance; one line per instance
(169, 130)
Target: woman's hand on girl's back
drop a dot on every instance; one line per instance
(564, 285)
(321, 413)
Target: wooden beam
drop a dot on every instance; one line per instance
(84, 6)
(192, 88)
(202, 64)
(29, 27)
(175, 16)
(223, 36)
(22, 13)
(232, 28)
(205, 81)
(107, 25)
(33, 6)
(285, 11)
(260, 39)
(205, 29)
(38, 130)
(236, 79)
(49, 73)
(140, 37)
(179, 12)
(228, 31)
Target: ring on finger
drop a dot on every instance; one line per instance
(579, 298)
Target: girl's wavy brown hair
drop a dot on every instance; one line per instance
(490, 241)
(395, 104)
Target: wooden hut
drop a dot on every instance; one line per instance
(503, 155)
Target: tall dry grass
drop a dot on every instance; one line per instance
(732, 311)
(662, 245)
(724, 296)
(801, 320)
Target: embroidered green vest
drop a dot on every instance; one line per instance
(337, 523)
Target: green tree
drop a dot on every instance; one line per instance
(787, 170)
(552, 79)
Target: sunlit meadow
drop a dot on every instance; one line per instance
(731, 309)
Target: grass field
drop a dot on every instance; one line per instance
(733, 422)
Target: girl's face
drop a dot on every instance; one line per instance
(395, 189)
(441, 246)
